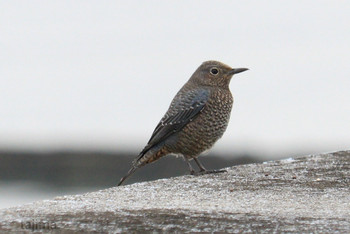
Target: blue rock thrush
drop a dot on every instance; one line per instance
(197, 117)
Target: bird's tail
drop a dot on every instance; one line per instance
(130, 172)
(144, 158)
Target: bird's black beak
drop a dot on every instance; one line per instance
(237, 70)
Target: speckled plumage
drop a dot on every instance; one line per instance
(197, 117)
(201, 134)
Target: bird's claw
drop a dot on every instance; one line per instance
(207, 172)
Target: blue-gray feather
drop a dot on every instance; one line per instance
(184, 108)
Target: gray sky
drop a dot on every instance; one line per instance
(101, 74)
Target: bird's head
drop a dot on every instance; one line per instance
(214, 73)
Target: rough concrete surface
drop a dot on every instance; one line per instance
(304, 194)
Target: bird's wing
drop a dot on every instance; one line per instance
(184, 108)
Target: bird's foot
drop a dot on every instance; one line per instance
(202, 172)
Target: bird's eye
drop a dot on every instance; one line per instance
(214, 71)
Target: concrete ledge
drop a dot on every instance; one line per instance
(305, 194)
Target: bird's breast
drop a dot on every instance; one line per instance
(201, 134)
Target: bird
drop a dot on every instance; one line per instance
(196, 118)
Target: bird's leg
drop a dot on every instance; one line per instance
(205, 171)
(200, 165)
(192, 172)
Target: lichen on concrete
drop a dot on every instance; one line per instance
(304, 194)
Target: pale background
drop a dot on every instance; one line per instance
(100, 74)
